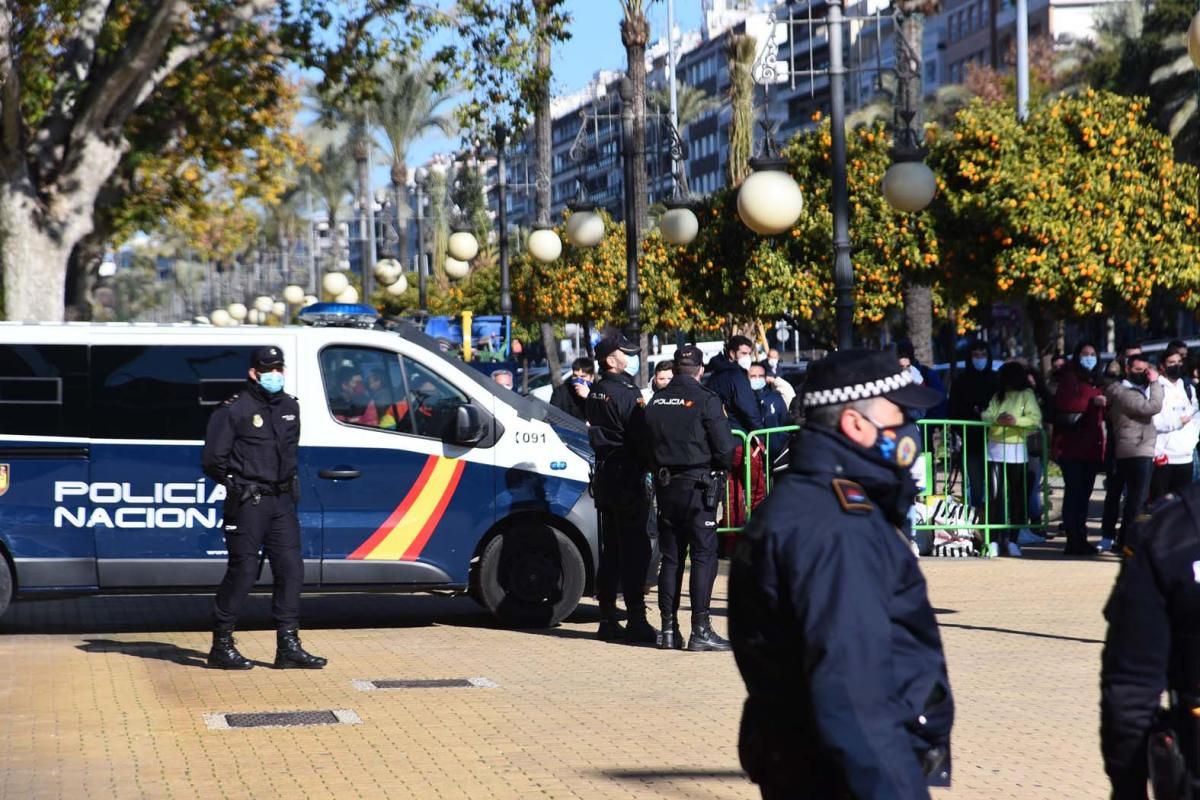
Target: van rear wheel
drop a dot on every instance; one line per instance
(6, 584)
(531, 577)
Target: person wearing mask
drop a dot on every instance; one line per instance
(777, 383)
(250, 448)
(772, 406)
(1079, 441)
(1037, 450)
(729, 379)
(970, 393)
(690, 446)
(571, 395)
(1012, 413)
(354, 404)
(773, 360)
(906, 355)
(830, 619)
(1132, 404)
(1178, 429)
(617, 431)
(503, 377)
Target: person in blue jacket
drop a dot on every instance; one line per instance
(831, 625)
(728, 377)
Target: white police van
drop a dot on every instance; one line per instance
(417, 472)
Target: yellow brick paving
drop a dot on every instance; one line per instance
(104, 697)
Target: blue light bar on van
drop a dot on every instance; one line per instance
(338, 315)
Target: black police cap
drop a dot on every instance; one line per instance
(266, 358)
(860, 374)
(689, 356)
(611, 344)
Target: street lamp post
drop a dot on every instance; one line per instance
(843, 269)
(633, 225)
(419, 178)
(501, 138)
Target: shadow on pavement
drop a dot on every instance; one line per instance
(1033, 634)
(669, 774)
(161, 651)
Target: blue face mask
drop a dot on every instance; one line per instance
(758, 384)
(1088, 362)
(632, 365)
(898, 444)
(979, 363)
(271, 382)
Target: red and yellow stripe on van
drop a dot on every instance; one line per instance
(404, 533)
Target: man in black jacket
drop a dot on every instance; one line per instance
(616, 431)
(831, 623)
(970, 393)
(571, 395)
(250, 448)
(727, 376)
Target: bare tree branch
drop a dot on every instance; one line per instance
(10, 90)
(82, 46)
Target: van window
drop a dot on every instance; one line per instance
(371, 388)
(163, 391)
(43, 390)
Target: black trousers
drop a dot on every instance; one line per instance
(1132, 476)
(1169, 478)
(624, 553)
(685, 524)
(270, 525)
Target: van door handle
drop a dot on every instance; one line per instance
(340, 474)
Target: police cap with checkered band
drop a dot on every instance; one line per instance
(860, 374)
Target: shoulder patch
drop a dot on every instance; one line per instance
(232, 399)
(851, 496)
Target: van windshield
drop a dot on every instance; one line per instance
(526, 407)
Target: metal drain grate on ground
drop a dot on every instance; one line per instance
(424, 683)
(281, 719)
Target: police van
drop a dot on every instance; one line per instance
(416, 471)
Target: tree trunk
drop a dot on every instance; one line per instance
(918, 321)
(553, 362)
(542, 141)
(82, 269)
(635, 33)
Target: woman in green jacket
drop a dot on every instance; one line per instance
(1012, 413)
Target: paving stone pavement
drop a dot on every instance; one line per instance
(105, 697)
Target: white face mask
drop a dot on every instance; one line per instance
(758, 384)
(744, 362)
(774, 362)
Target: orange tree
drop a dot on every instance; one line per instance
(1082, 209)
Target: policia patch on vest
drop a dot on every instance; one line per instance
(851, 496)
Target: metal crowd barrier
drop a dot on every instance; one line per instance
(947, 460)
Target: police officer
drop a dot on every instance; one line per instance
(250, 448)
(1153, 643)
(616, 427)
(692, 447)
(828, 612)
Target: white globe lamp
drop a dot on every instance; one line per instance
(462, 245)
(585, 228)
(238, 311)
(334, 283)
(347, 295)
(909, 186)
(769, 201)
(263, 304)
(220, 317)
(310, 299)
(544, 245)
(398, 287)
(279, 309)
(253, 316)
(387, 270)
(293, 295)
(455, 269)
(679, 224)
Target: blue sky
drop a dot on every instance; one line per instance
(595, 44)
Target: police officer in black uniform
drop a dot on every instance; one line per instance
(831, 624)
(250, 448)
(692, 449)
(1153, 644)
(616, 427)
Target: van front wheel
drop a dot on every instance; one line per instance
(531, 577)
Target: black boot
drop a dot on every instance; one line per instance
(671, 638)
(704, 638)
(224, 655)
(290, 655)
(610, 629)
(638, 630)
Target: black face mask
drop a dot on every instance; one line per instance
(1138, 378)
(1174, 372)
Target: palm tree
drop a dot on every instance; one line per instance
(332, 179)
(407, 107)
(740, 53)
(1179, 105)
(635, 35)
(691, 103)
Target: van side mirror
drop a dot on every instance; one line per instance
(469, 426)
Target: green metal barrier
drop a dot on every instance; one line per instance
(945, 459)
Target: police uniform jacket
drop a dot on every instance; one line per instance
(833, 632)
(616, 428)
(252, 438)
(687, 428)
(1153, 640)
